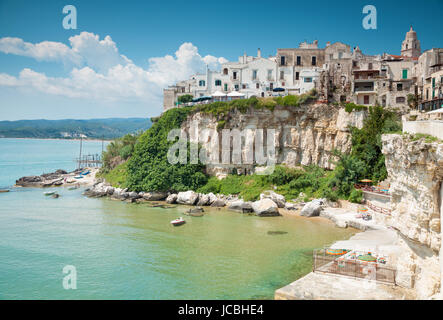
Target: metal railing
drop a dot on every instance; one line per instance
(354, 268)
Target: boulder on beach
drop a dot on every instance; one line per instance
(203, 200)
(290, 206)
(189, 197)
(313, 208)
(218, 203)
(154, 195)
(172, 198)
(265, 207)
(277, 198)
(212, 198)
(240, 206)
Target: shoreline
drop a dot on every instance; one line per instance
(64, 139)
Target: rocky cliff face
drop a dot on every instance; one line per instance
(415, 170)
(303, 135)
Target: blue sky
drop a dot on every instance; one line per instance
(44, 74)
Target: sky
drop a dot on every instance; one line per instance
(123, 53)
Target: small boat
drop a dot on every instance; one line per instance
(73, 188)
(78, 177)
(4, 190)
(85, 173)
(178, 222)
(49, 193)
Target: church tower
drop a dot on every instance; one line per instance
(411, 45)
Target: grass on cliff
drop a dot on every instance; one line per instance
(117, 177)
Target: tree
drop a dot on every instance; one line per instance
(185, 98)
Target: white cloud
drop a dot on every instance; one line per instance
(101, 72)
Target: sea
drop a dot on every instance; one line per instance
(76, 247)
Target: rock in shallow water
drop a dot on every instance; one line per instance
(265, 207)
(188, 197)
(312, 209)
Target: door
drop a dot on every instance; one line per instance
(366, 99)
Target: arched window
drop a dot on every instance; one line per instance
(201, 83)
(225, 71)
(218, 82)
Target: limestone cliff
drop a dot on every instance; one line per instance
(415, 171)
(304, 135)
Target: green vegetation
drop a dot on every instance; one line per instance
(117, 176)
(118, 151)
(148, 167)
(71, 129)
(349, 107)
(427, 137)
(185, 98)
(366, 142)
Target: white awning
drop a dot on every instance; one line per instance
(235, 94)
(219, 94)
(436, 111)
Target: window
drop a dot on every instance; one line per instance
(331, 56)
(225, 71)
(202, 83)
(234, 75)
(400, 100)
(243, 86)
(254, 74)
(282, 60)
(433, 82)
(298, 60)
(269, 74)
(405, 73)
(218, 82)
(225, 87)
(283, 84)
(314, 60)
(271, 86)
(399, 86)
(354, 64)
(236, 87)
(297, 76)
(340, 55)
(257, 85)
(282, 75)
(307, 80)
(370, 66)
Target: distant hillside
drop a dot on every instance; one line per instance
(71, 129)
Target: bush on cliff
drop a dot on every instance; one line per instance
(118, 151)
(366, 142)
(148, 168)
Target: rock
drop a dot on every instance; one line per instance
(341, 224)
(277, 198)
(172, 198)
(154, 195)
(265, 207)
(212, 198)
(195, 212)
(60, 171)
(188, 197)
(312, 209)
(133, 195)
(240, 206)
(290, 206)
(274, 233)
(218, 203)
(203, 200)
(29, 181)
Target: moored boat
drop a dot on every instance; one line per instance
(49, 193)
(178, 222)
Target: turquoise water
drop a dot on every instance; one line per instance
(130, 251)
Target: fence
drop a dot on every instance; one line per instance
(352, 268)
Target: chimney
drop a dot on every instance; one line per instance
(258, 53)
(328, 44)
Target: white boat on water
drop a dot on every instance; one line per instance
(178, 222)
(49, 193)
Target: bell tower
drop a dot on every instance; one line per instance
(410, 47)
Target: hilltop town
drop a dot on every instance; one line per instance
(411, 79)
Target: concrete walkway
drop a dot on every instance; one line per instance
(377, 239)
